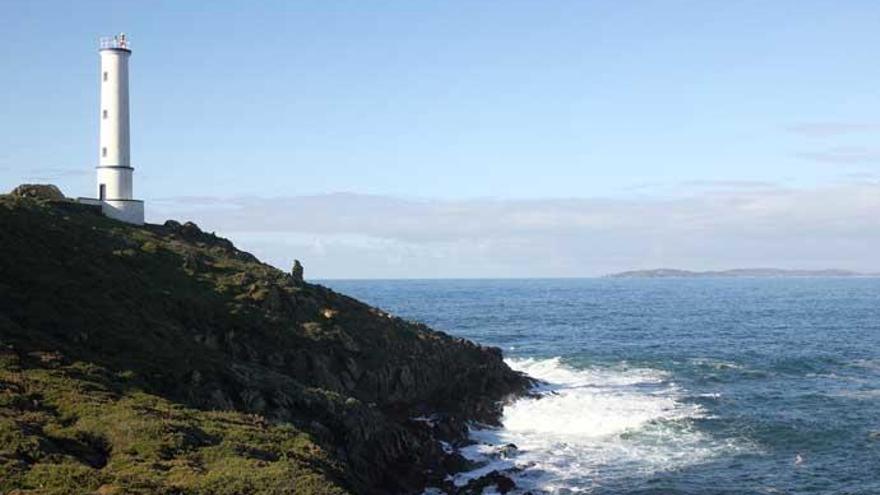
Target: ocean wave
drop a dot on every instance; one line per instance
(591, 427)
(868, 364)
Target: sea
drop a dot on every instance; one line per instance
(670, 386)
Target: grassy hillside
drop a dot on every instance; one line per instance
(161, 359)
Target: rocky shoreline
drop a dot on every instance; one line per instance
(180, 319)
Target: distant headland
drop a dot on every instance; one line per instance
(738, 272)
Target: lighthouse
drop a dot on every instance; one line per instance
(115, 184)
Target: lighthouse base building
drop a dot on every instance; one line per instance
(115, 184)
(125, 210)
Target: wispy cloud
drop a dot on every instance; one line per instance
(861, 176)
(844, 155)
(831, 129)
(730, 184)
(352, 235)
(52, 174)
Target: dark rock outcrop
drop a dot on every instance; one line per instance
(186, 317)
(297, 273)
(47, 192)
(501, 482)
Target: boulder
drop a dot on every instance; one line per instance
(47, 192)
(501, 482)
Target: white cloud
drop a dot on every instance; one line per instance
(831, 129)
(352, 235)
(844, 155)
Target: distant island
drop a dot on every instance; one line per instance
(738, 272)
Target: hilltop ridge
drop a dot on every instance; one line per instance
(162, 359)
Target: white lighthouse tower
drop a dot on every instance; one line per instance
(115, 188)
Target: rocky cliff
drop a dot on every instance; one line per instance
(161, 359)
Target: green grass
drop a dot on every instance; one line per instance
(77, 428)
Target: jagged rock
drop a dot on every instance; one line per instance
(449, 426)
(352, 368)
(297, 273)
(455, 463)
(507, 451)
(190, 229)
(47, 192)
(501, 482)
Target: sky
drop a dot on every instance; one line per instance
(450, 139)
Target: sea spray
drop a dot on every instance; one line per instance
(589, 427)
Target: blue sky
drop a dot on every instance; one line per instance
(461, 105)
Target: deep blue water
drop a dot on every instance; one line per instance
(690, 386)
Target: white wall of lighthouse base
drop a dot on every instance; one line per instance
(126, 210)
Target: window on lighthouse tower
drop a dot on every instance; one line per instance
(105, 75)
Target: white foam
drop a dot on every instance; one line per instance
(591, 426)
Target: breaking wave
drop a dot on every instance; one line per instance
(591, 428)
